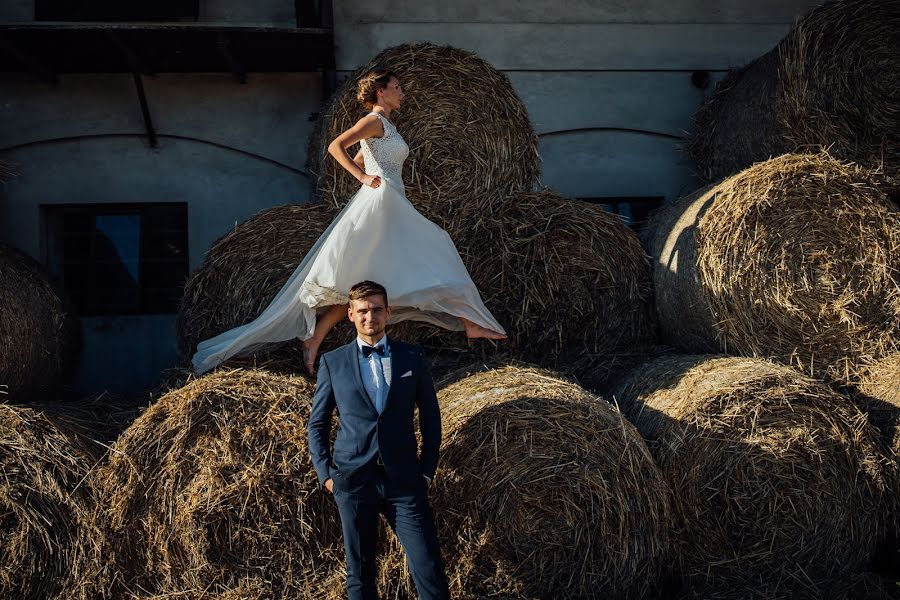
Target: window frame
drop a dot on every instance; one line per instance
(86, 299)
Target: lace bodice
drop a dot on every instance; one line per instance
(384, 156)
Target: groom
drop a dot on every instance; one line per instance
(375, 468)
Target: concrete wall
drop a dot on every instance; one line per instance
(607, 84)
(278, 13)
(227, 150)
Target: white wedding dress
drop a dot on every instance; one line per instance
(378, 236)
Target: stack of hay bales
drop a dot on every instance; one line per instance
(567, 280)
(774, 476)
(46, 505)
(212, 489)
(38, 334)
(795, 258)
(830, 83)
(544, 491)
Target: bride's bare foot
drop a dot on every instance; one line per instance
(310, 350)
(474, 331)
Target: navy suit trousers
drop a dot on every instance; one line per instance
(405, 507)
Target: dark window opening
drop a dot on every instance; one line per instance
(633, 210)
(116, 10)
(119, 259)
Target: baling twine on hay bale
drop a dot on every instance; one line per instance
(469, 135)
(242, 273)
(567, 280)
(38, 333)
(796, 259)
(212, 488)
(45, 503)
(830, 83)
(544, 490)
(772, 473)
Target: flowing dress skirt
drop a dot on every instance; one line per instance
(378, 236)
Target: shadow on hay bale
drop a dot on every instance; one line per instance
(39, 335)
(878, 395)
(830, 83)
(568, 281)
(855, 586)
(242, 273)
(469, 135)
(212, 488)
(544, 490)
(793, 259)
(773, 475)
(45, 506)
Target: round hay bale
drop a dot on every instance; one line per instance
(45, 506)
(567, 280)
(213, 486)
(772, 473)
(242, 273)
(546, 491)
(38, 333)
(830, 83)
(794, 259)
(468, 133)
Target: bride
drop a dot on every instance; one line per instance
(378, 236)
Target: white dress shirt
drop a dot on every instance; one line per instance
(371, 368)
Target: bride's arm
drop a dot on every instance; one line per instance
(368, 127)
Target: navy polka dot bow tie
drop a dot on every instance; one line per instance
(368, 350)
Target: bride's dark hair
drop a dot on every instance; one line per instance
(371, 82)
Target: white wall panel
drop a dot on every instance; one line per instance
(589, 164)
(661, 102)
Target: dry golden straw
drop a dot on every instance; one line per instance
(468, 133)
(796, 259)
(37, 330)
(244, 270)
(45, 504)
(212, 490)
(830, 83)
(773, 475)
(567, 280)
(544, 491)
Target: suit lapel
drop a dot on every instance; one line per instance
(398, 360)
(352, 350)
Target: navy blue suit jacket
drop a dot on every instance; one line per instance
(363, 433)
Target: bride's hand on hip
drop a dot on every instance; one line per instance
(373, 181)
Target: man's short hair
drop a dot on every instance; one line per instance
(367, 288)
